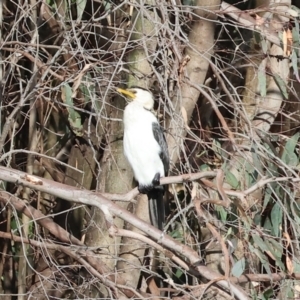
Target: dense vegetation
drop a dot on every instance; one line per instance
(226, 82)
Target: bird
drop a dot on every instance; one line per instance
(146, 149)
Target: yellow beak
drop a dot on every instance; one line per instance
(127, 93)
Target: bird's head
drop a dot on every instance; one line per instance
(139, 95)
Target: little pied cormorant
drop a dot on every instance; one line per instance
(146, 149)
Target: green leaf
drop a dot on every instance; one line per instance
(293, 160)
(189, 2)
(267, 246)
(268, 294)
(257, 219)
(239, 267)
(231, 179)
(289, 156)
(74, 117)
(267, 197)
(296, 38)
(178, 273)
(67, 94)
(292, 143)
(282, 86)
(223, 213)
(201, 153)
(205, 167)
(264, 46)
(272, 189)
(278, 248)
(107, 5)
(262, 258)
(272, 168)
(258, 241)
(294, 60)
(276, 252)
(87, 88)
(257, 37)
(14, 225)
(296, 266)
(276, 219)
(177, 233)
(268, 225)
(228, 233)
(3, 185)
(262, 80)
(257, 161)
(80, 5)
(217, 148)
(250, 174)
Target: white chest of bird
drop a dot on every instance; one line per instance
(140, 146)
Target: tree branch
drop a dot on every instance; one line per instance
(109, 208)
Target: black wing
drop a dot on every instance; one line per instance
(161, 140)
(156, 195)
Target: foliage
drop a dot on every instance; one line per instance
(227, 90)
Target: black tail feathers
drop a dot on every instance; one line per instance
(157, 207)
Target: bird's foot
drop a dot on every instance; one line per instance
(145, 189)
(156, 179)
